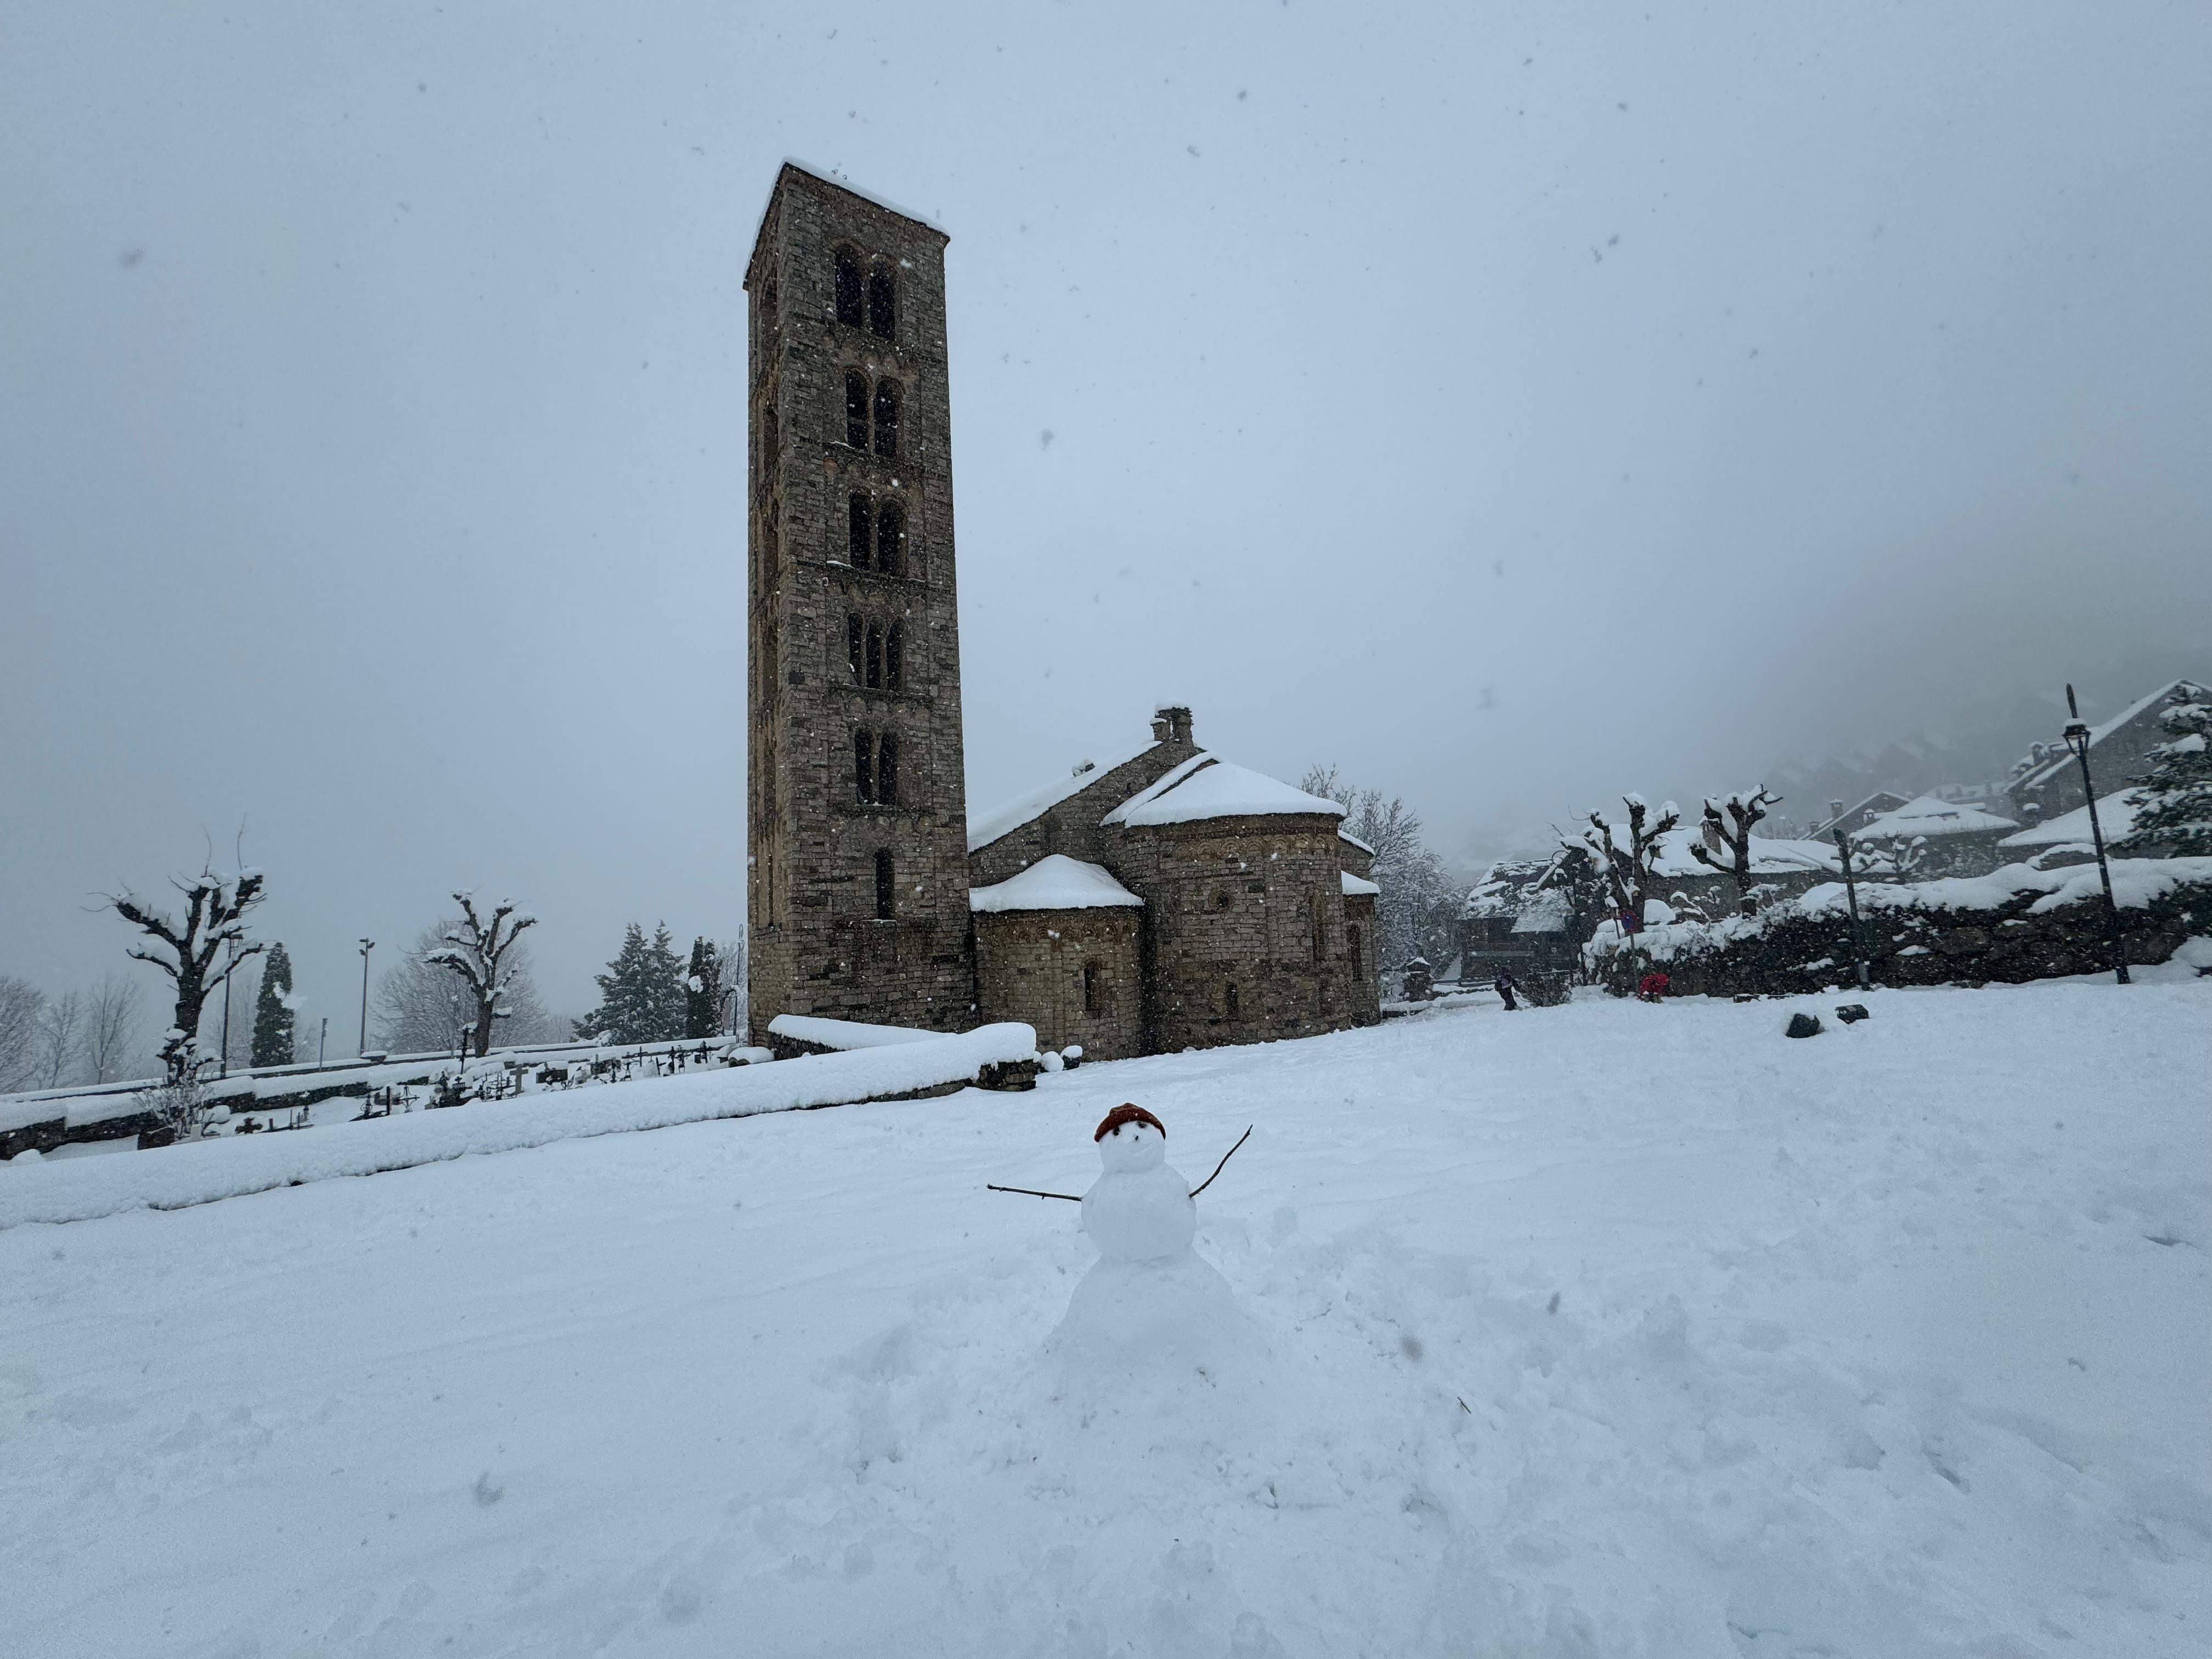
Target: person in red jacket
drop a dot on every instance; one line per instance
(1652, 985)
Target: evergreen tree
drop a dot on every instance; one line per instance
(703, 990)
(272, 1012)
(2173, 808)
(642, 994)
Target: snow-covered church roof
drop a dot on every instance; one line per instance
(1002, 820)
(1054, 882)
(1207, 787)
(1928, 816)
(1357, 886)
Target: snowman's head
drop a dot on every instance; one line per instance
(1130, 1138)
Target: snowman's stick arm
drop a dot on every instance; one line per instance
(1031, 1192)
(1223, 1164)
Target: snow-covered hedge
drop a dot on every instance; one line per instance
(2014, 924)
(199, 1172)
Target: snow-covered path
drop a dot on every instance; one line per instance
(1606, 1329)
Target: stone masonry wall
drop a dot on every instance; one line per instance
(1230, 936)
(817, 945)
(1031, 966)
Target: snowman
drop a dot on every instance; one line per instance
(1150, 1303)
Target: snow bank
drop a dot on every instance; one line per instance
(1055, 881)
(844, 1035)
(202, 1172)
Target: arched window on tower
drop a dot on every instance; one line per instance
(1090, 987)
(864, 766)
(887, 770)
(891, 539)
(1320, 927)
(875, 676)
(886, 884)
(883, 303)
(859, 531)
(849, 289)
(770, 441)
(853, 646)
(856, 409)
(1352, 947)
(895, 658)
(887, 419)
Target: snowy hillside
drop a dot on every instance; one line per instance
(1608, 1329)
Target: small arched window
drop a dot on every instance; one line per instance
(864, 766)
(1231, 1003)
(891, 539)
(1320, 927)
(875, 676)
(853, 646)
(860, 531)
(849, 289)
(886, 884)
(883, 303)
(1090, 987)
(887, 770)
(1221, 898)
(856, 409)
(1352, 947)
(887, 419)
(895, 658)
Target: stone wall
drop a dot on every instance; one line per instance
(1969, 932)
(819, 944)
(1232, 953)
(1073, 974)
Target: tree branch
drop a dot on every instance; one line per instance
(1223, 1164)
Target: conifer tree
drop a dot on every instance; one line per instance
(642, 994)
(2174, 807)
(666, 987)
(703, 990)
(272, 1012)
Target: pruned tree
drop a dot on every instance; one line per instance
(1727, 831)
(1627, 870)
(703, 990)
(21, 1005)
(273, 1011)
(111, 1026)
(213, 926)
(2174, 807)
(477, 952)
(61, 1032)
(420, 1006)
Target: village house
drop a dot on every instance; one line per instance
(2047, 781)
(1927, 837)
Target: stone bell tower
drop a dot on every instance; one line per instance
(857, 807)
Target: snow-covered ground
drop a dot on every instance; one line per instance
(1608, 1329)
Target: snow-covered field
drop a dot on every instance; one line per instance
(1607, 1329)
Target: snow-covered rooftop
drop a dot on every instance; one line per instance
(1054, 882)
(2034, 771)
(1768, 856)
(1359, 886)
(1545, 912)
(2114, 816)
(1221, 790)
(1002, 820)
(1343, 833)
(1927, 816)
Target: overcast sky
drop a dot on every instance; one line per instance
(1513, 404)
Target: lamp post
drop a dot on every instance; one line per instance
(1851, 892)
(2077, 740)
(366, 945)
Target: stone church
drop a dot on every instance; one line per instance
(1165, 899)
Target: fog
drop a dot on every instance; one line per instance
(1513, 405)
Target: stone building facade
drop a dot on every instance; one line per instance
(2047, 781)
(857, 886)
(1170, 899)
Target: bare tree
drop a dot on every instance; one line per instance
(1628, 870)
(1729, 833)
(736, 984)
(61, 1028)
(111, 1025)
(213, 926)
(21, 1005)
(478, 953)
(1418, 915)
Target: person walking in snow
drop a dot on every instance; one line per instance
(1505, 987)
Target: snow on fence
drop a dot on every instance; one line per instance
(202, 1171)
(2015, 924)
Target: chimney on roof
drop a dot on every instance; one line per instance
(1160, 725)
(1171, 724)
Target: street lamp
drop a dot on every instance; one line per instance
(2077, 740)
(366, 945)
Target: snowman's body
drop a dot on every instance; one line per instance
(1149, 1301)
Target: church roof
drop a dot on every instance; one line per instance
(1054, 882)
(1205, 787)
(1357, 886)
(1002, 820)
